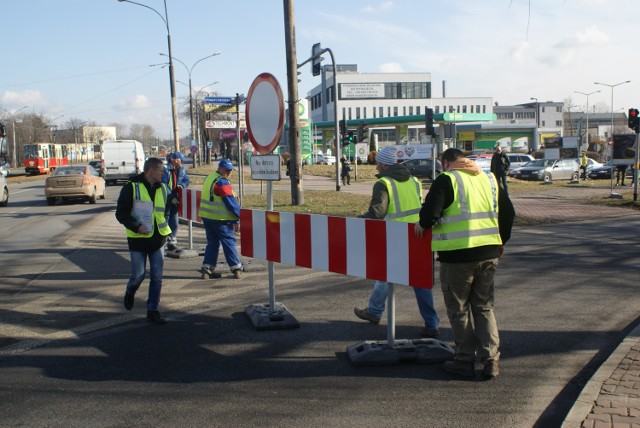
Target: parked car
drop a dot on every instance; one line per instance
(604, 171)
(4, 191)
(518, 159)
(547, 170)
(423, 168)
(97, 165)
(484, 163)
(74, 182)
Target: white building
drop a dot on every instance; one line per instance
(379, 95)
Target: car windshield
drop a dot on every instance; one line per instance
(540, 163)
(68, 171)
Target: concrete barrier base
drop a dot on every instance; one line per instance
(183, 254)
(263, 318)
(379, 353)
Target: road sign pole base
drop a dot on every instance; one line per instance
(379, 353)
(263, 318)
(615, 196)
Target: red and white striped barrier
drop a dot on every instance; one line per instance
(373, 249)
(189, 203)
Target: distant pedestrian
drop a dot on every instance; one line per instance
(621, 171)
(176, 178)
(584, 162)
(500, 167)
(345, 171)
(220, 212)
(141, 209)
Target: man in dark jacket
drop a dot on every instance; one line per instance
(175, 177)
(141, 210)
(379, 208)
(472, 219)
(500, 164)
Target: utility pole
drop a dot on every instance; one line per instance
(295, 162)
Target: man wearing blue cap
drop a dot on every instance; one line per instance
(175, 178)
(220, 212)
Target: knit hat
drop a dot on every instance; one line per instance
(387, 155)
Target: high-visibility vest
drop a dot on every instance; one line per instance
(140, 194)
(472, 219)
(212, 206)
(405, 199)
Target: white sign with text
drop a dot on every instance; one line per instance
(265, 167)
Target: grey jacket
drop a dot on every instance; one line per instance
(380, 197)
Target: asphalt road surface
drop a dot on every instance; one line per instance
(70, 355)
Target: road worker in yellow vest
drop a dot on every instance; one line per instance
(220, 212)
(141, 210)
(471, 216)
(397, 196)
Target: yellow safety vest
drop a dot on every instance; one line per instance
(472, 219)
(140, 194)
(212, 206)
(405, 199)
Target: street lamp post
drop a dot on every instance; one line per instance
(189, 71)
(587, 95)
(537, 122)
(612, 86)
(13, 130)
(172, 81)
(612, 111)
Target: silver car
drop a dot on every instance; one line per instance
(4, 190)
(547, 170)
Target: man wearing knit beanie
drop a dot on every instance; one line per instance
(395, 179)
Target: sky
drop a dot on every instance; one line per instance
(99, 60)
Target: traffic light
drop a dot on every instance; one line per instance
(350, 137)
(428, 118)
(343, 127)
(361, 131)
(634, 120)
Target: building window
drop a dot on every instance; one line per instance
(364, 112)
(395, 111)
(558, 123)
(389, 111)
(357, 113)
(437, 110)
(410, 110)
(543, 109)
(559, 109)
(374, 113)
(543, 123)
(477, 108)
(404, 110)
(457, 109)
(471, 107)
(417, 110)
(464, 109)
(381, 111)
(484, 109)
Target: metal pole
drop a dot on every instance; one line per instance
(334, 91)
(240, 157)
(15, 158)
(391, 316)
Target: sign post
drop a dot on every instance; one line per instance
(265, 122)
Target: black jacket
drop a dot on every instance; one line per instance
(123, 214)
(440, 196)
(500, 164)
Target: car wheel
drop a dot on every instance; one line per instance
(104, 193)
(92, 198)
(4, 201)
(574, 176)
(51, 201)
(547, 177)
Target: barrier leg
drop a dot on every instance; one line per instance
(391, 315)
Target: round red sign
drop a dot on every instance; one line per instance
(265, 113)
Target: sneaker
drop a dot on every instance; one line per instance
(429, 333)
(491, 368)
(154, 317)
(365, 315)
(172, 247)
(128, 301)
(462, 368)
(207, 272)
(237, 273)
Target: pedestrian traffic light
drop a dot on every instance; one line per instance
(428, 118)
(634, 120)
(343, 127)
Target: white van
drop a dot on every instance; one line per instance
(121, 159)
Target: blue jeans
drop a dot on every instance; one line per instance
(138, 268)
(220, 233)
(424, 297)
(173, 222)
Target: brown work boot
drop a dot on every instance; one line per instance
(462, 368)
(491, 368)
(365, 315)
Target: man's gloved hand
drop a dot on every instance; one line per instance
(173, 197)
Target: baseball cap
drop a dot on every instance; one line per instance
(387, 155)
(178, 155)
(226, 164)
